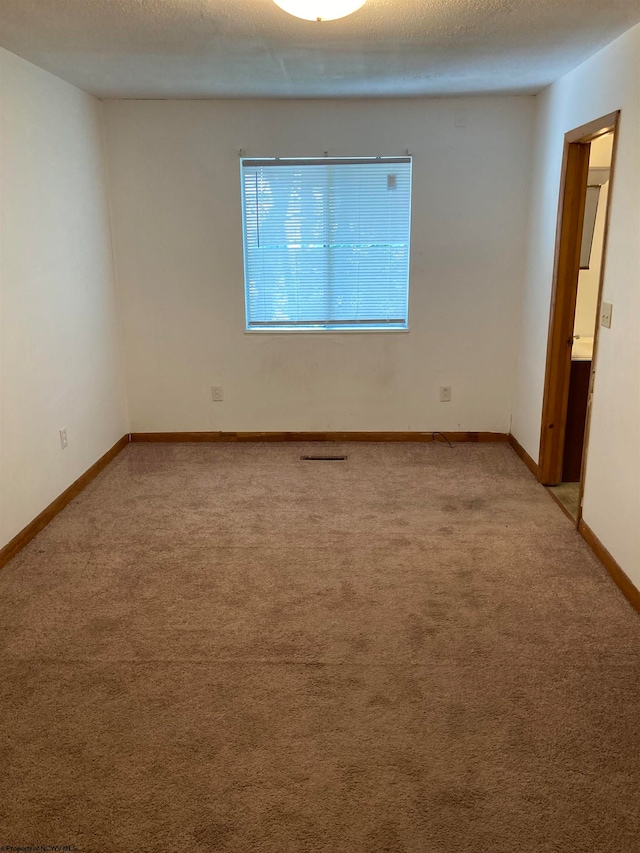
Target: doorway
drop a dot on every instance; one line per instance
(577, 310)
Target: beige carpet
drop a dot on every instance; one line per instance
(223, 648)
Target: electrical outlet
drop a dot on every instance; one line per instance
(445, 393)
(605, 314)
(63, 438)
(216, 393)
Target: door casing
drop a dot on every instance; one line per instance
(573, 188)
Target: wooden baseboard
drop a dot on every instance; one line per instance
(628, 589)
(522, 453)
(318, 436)
(33, 528)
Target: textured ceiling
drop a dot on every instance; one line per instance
(251, 48)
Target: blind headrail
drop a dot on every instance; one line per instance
(322, 161)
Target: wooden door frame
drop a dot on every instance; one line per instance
(573, 184)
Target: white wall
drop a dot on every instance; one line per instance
(59, 358)
(175, 190)
(608, 81)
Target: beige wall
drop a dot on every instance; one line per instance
(178, 234)
(608, 81)
(59, 360)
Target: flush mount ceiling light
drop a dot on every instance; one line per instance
(320, 10)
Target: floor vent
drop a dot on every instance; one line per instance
(323, 458)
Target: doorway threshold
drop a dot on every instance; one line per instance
(567, 496)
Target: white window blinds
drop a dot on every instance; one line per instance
(326, 242)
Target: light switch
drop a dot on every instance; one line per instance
(605, 314)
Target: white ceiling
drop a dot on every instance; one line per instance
(251, 48)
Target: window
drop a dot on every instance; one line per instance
(326, 243)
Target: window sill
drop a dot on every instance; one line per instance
(326, 331)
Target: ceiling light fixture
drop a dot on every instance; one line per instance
(320, 10)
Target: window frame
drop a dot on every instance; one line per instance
(335, 327)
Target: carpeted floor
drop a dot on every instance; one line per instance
(223, 648)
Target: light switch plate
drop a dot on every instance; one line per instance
(605, 314)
